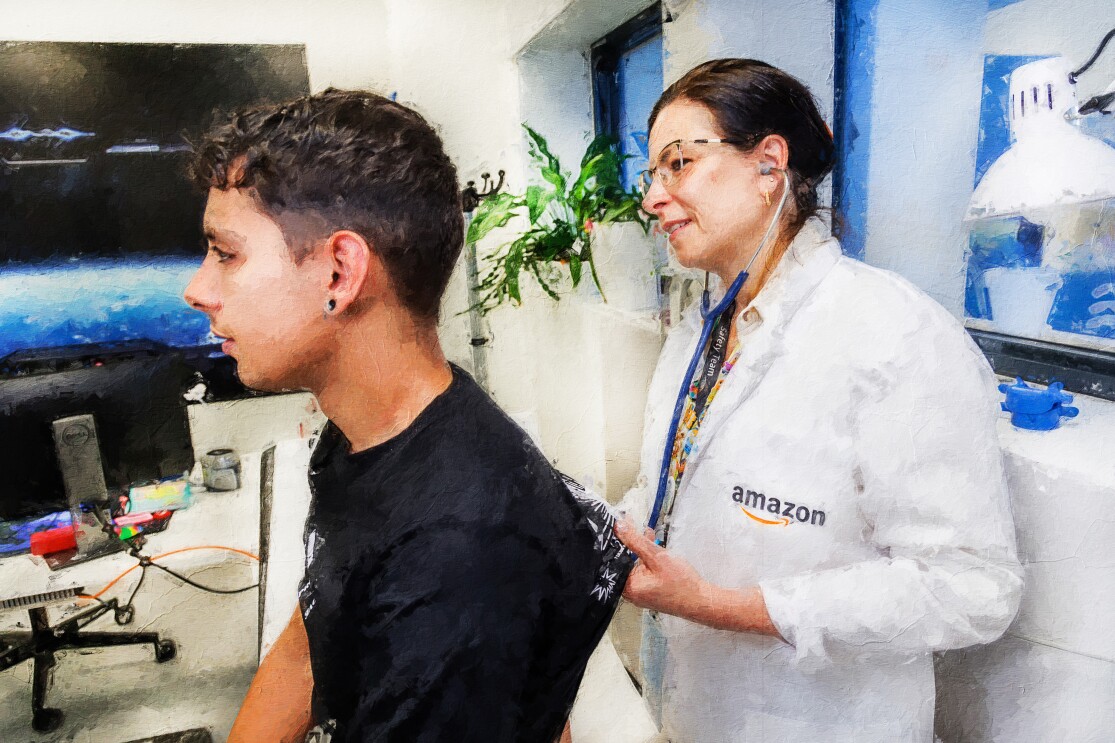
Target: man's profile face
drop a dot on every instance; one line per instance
(267, 307)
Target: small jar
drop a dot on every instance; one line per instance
(220, 469)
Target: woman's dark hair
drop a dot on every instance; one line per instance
(348, 159)
(750, 100)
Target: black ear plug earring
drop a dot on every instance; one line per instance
(330, 306)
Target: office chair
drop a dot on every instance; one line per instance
(43, 641)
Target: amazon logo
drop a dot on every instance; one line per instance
(773, 511)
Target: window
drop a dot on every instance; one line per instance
(626, 81)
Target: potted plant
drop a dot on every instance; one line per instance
(561, 214)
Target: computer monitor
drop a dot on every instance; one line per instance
(132, 390)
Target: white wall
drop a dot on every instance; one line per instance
(924, 124)
(796, 36)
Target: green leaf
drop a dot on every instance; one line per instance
(549, 167)
(600, 144)
(554, 178)
(512, 265)
(556, 243)
(575, 269)
(623, 212)
(592, 269)
(537, 198)
(542, 282)
(493, 213)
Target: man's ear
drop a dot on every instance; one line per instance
(355, 268)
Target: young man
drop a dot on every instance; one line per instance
(454, 587)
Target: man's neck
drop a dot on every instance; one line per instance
(380, 381)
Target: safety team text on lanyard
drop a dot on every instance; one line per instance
(702, 391)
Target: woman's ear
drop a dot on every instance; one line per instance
(774, 150)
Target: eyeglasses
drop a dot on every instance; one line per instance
(673, 161)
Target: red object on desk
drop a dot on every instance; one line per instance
(53, 540)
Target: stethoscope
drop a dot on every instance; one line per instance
(708, 318)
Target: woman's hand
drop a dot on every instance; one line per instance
(660, 581)
(666, 583)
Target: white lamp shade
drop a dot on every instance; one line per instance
(1051, 161)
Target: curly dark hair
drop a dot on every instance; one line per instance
(749, 100)
(347, 160)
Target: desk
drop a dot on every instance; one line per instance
(121, 694)
(229, 519)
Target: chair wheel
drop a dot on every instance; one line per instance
(47, 719)
(165, 650)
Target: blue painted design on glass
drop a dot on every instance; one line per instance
(996, 4)
(639, 83)
(1086, 303)
(97, 300)
(856, 31)
(1013, 242)
(66, 134)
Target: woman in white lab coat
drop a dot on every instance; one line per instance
(834, 507)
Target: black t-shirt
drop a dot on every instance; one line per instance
(455, 583)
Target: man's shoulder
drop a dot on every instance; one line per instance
(473, 461)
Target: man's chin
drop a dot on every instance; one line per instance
(259, 381)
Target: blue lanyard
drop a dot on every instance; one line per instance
(708, 322)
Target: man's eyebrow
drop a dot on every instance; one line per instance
(224, 236)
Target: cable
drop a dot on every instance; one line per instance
(1099, 50)
(151, 560)
(87, 597)
(142, 575)
(208, 589)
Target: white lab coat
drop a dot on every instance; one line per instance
(860, 419)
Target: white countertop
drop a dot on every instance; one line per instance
(1084, 445)
(222, 519)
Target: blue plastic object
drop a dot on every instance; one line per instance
(1035, 408)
